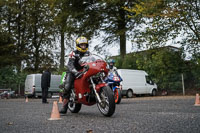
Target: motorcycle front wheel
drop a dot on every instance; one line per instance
(117, 96)
(107, 105)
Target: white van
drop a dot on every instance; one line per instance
(33, 85)
(136, 82)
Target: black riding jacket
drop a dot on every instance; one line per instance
(73, 63)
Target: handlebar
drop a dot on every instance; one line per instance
(86, 68)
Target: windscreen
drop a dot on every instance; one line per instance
(90, 58)
(114, 73)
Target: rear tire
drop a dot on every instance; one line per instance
(129, 94)
(107, 105)
(74, 107)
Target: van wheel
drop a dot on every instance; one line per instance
(49, 95)
(129, 94)
(154, 92)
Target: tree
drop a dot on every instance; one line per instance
(39, 30)
(90, 17)
(9, 78)
(28, 26)
(7, 50)
(172, 20)
(164, 65)
(116, 23)
(72, 19)
(9, 54)
(192, 73)
(169, 20)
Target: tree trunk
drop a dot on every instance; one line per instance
(37, 60)
(35, 37)
(62, 54)
(123, 45)
(19, 91)
(19, 47)
(36, 54)
(122, 33)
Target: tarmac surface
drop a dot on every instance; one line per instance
(168, 114)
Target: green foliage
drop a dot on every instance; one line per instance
(193, 71)
(165, 66)
(10, 78)
(115, 23)
(28, 27)
(7, 50)
(59, 71)
(118, 62)
(168, 68)
(28, 30)
(168, 20)
(129, 62)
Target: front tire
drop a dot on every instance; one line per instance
(153, 93)
(117, 96)
(107, 105)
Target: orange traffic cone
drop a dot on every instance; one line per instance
(197, 103)
(60, 100)
(55, 115)
(26, 99)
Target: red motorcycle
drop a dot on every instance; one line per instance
(89, 87)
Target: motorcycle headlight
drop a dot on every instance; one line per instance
(107, 67)
(100, 74)
(97, 75)
(103, 74)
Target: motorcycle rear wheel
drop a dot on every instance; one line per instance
(107, 105)
(74, 107)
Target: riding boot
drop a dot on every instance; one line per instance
(65, 107)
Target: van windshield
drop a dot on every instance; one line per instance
(148, 80)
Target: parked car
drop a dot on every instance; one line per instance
(4, 94)
(11, 94)
(8, 94)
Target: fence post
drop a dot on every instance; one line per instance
(19, 90)
(183, 84)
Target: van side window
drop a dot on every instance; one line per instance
(148, 80)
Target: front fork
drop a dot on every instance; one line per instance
(93, 86)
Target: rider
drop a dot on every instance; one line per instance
(73, 68)
(112, 68)
(111, 63)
